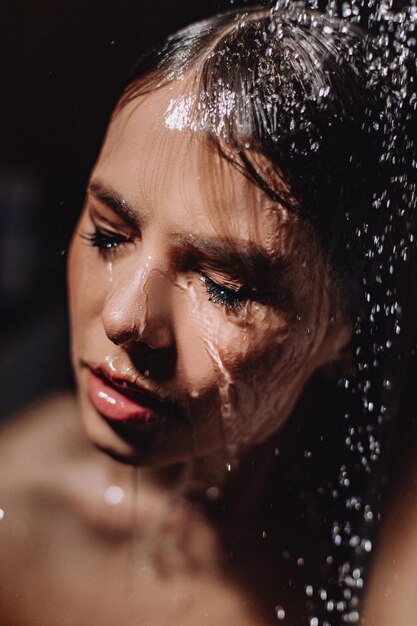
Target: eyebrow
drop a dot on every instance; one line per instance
(113, 201)
(238, 258)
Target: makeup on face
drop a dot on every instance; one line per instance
(119, 401)
(196, 321)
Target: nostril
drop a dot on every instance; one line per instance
(119, 338)
(158, 365)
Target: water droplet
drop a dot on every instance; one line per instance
(280, 612)
(309, 591)
(213, 493)
(19, 529)
(114, 495)
(367, 545)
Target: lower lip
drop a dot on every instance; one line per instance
(113, 405)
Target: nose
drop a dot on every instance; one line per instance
(138, 311)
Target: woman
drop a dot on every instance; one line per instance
(215, 288)
(206, 278)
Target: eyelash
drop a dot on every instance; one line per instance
(107, 242)
(219, 294)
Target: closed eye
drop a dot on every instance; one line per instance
(105, 240)
(226, 297)
(233, 299)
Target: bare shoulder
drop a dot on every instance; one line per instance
(40, 441)
(392, 589)
(40, 426)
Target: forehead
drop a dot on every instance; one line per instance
(178, 175)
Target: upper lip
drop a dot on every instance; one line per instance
(132, 390)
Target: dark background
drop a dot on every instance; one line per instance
(62, 65)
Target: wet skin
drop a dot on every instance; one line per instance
(204, 295)
(158, 308)
(70, 556)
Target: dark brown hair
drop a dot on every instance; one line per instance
(307, 98)
(302, 98)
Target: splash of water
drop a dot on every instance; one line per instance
(373, 390)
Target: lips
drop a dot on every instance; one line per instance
(118, 401)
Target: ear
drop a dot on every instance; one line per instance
(336, 353)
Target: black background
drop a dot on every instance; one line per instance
(62, 65)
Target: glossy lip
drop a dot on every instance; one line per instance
(119, 400)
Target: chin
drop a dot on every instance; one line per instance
(157, 443)
(129, 457)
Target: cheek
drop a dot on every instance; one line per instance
(195, 324)
(261, 369)
(257, 363)
(87, 288)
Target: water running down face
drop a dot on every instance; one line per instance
(198, 307)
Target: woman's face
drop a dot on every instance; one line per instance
(198, 307)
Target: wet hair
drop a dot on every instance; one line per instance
(286, 96)
(306, 107)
